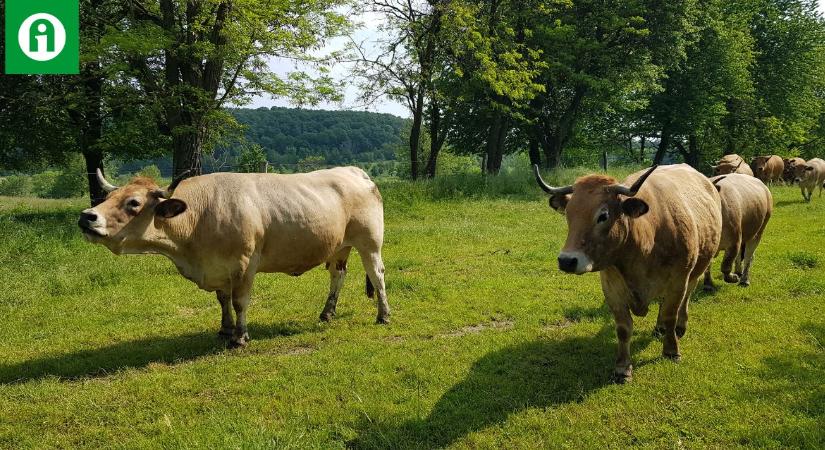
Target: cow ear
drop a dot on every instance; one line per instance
(170, 208)
(559, 202)
(635, 207)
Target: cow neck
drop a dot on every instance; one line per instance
(637, 246)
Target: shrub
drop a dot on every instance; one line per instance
(43, 183)
(150, 172)
(16, 186)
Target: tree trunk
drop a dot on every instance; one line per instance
(642, 149)
(693, 152)
(436, 140)
(187, 145)
(94, 161)
(495, 144)
(533, 150)
(664, 145)
(552, 151)
(415, 132)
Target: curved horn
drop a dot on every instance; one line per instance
(166, 193)
(549, 189)
(105, 185)
(632, 190)
(719, 179)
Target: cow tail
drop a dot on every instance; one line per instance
(370, 288)
(742, 252)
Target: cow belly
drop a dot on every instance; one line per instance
(296, 256)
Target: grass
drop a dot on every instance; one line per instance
(490, 346)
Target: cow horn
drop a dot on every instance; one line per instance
(549, 189)
(166, 193)
(719, 179)
(632, 190)
(105, 185)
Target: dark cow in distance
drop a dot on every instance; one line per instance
(222, 229)
(650, 237)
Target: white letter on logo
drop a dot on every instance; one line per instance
(41, 51)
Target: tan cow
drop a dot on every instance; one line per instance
(788, 175)
(725, 166)
(652, 240)
(222, 229)
(809, 176)
(747, 205)
(768, 168)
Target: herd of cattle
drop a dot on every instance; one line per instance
(650, 237)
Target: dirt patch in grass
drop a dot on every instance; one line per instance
(478, 328)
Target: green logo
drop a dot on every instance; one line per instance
(42, 37)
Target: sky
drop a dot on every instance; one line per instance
(366, 34)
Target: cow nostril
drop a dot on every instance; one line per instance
(568, 264)
(89, 216)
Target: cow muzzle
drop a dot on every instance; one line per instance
(575, 262)
(92, 224)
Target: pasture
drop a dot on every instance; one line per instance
(489, 346)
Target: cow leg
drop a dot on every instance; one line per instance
(227, 324)
(682, 318)
(240, 302)
(669, 314)
(337, 267)
(708, 285)
(374, 267)
(623, 370)
(731, 253)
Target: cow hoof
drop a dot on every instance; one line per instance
(327, 316)
(731, 278)
(709, 288)
(658, 332)
(744, 283)
(623, 376)
(673, 357)
(680, 331)
(233, 344)
(226, 332)
(382, 320)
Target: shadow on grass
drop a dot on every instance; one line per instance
(139, 353)
(797, 382)
(539, 374)
(783, 203)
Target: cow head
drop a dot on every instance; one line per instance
(725, 167)
(802, 171)
(758, 164)
(128, 211)
(598, 210)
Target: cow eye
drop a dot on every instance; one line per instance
(133, 203)
(602, 217)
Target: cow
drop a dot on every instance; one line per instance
(726, 166)
(221, 229)
(788, 175)
(768, 168)
(650, 240)
(810, 175)
(747, 205)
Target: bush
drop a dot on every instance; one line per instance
(43, 183)
(150, 172)
(16, 186)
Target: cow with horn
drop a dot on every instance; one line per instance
(650, 238)
(221, 229)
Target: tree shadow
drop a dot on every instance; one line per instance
(539, 374)
(797, 382)
(101, 362)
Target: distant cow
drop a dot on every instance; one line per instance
(747, 205)
(768, 168)
(652, 240)
(732, 164)
(222, 229)
(809, 176)
(788, 174)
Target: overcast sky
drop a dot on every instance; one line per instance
(340, 72)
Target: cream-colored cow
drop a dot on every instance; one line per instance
(222, 229)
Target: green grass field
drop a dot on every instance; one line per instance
(490, 345)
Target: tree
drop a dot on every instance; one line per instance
(192, 58)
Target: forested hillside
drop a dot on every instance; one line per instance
(289, 135)
(291, 138)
